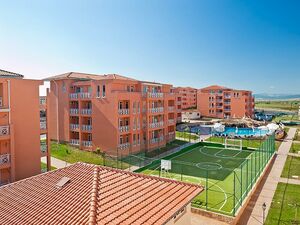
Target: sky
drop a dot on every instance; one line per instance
(249, 44)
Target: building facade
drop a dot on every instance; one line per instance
(20, 145)
(221, 102)
(188, 97)
(112, 113)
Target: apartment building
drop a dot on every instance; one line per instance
(222, 102)
(20, 146)
(112, 112)
(188, 97)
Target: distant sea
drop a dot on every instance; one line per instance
(274, 97)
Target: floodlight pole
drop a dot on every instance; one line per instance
(264, 207)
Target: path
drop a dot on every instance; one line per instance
(289, 181)
(253, 213)
(56, 162)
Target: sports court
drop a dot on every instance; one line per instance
(227, 171)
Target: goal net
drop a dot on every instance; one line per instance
(233, 143)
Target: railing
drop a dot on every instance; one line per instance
(124, 128)
(74, 126)
(227, 110)
(136, 111)
(156, 124)
(5, 158)
(178, 102)
(227, 96)
(74, 111)
(87, 143)
(43, 148)
(219, 100)
(156, 110)
(155, 95)
(171, 121)
(73, 96)
(43, 125)
(1, 102)
(227, 103)
(86, 111)
(85, 95)
(124, 146)
(156, 140)
(123, 111)
(171, 108)
(4, 130)
(74, 141)
(86, 127)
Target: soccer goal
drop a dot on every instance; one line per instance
(231, 143)
(165, 166)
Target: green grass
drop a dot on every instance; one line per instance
(297, 135)
(44, 167)
(291, 167)
(186, 135)
(293, 117)
(203, 160)
(295, 148)
(247, 143)
(285, 105)
(283, 207)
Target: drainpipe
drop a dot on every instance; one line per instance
(8, 90)
(57, 123)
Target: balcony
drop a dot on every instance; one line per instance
(4, 159)
(156, 110)
(74, 142)
(86, 111)
(136, 111)
(85, 127)
(43, 148)
(123, 111)
(124, 146)
(156, 140)
(227, 96)
(87, 144)
(171, 108)
(156, 124)
(74, 111)
(171, 121)
(227, 109)
(74, 126)
(1, 102)
(43, 125)
(73, 96)
(85, 95)
(155, 95)
(4, 130)
(123, 129)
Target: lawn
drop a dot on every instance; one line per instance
(285, 205)
(247, 143)
(291, 167)
(295, 148)
(186, 135)
(285, 105)
(297, 135)
(293, 117)
(44, 167)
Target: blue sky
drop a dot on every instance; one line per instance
(242, 44)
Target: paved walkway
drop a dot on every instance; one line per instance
(294, 154)
(253, 213)
(289, 181)
(56, 162)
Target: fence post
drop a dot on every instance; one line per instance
(233, 193)
(241, 183)
(206, 196)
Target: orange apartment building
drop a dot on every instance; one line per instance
(20, 146)
(112, 112)
(222, 102)
(188, 97)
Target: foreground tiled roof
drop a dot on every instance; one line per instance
(4, 73)
(94, 195)
(76, 75)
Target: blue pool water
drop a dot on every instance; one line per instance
(243, 131)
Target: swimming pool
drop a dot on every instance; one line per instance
(243, 131)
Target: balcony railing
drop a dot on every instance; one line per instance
(43, 125)
(74, 111)
(86, 127)
(43, 148)
(86, 111)
(73, 96)
(171, 121)
(227, 96)
(124, 129)
(1, 102)
(85, 95)
(123, 111)
(87, 143)
(4, 130)
(156, 110)
(155, 95)
(124, 146)
(156, 124)
(227, 110)
(171, 108)
(74, 126)
(5, 158)
(74, 141)
(136, 111)
(156, 140)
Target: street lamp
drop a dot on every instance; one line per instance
(264, 207)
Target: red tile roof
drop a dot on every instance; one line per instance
(4, 73)
(95, 195)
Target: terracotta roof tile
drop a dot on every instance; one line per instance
(4, 73)
(95, 195)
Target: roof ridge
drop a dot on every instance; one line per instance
(94, 196)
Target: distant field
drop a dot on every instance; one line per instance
(283, 105)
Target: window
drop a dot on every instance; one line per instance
(64, 87)
(103, 91)
(98, 91)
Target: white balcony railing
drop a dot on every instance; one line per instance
(86, 127)
(123, 111)
(156, 124)
(86, 111)
(124, 128)
(74, 141)
(171, 108)
(156, 140)
(74, 111)
(85, 95)
(74, 126)
(43, 148)
(73, 96)
(156, 110)
(5, 158)
(4, 130)
(43, 125)
(171, 121)
(155, 95)
(124, 146)
(87, 143)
